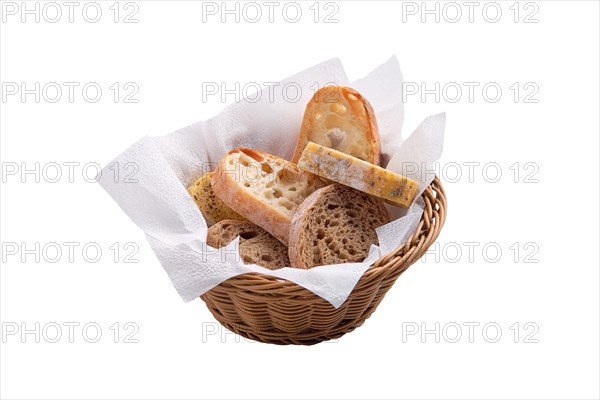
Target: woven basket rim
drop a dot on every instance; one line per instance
(430, 225)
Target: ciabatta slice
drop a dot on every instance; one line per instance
(263, 188)
(340, 118)
(335, 225)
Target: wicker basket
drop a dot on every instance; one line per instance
(271, 310)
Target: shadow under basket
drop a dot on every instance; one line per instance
(271, 310)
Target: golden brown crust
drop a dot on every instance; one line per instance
(362, 117)
(374, 132)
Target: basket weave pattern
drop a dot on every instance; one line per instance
(271, 310)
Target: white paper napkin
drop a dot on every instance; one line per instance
(157, 201)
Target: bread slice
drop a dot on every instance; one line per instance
(335, 225)
(212, 208)
(340, 118)
(342, 168)
(257, 246)
(265, 189)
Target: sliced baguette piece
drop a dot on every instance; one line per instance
(212, 208)
(265, 189)
(340, 118)
(335, 225)
(257, 246)
(358, 174)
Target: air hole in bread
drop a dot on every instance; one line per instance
(281, 175)
(248, 235)
(266, 257)
(287, 175)
(292, 189)
(286, 203)
(336, 136)
(334, 223)
(246, 184)
(277, 193)
(231, 162)
(352, 213)
(267, 168)
(320, 234)
(332, 206)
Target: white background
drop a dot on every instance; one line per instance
(169, 53)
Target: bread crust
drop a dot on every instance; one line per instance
(361, 109)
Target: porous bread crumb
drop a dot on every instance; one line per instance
(256, 246)
(335, 225)
(213, 209)
(280, 185)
